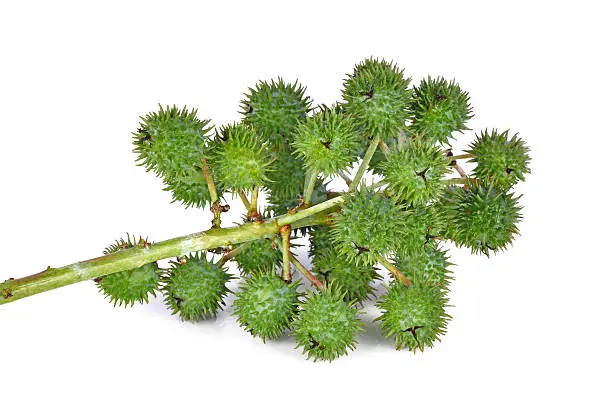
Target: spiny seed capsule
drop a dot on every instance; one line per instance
(376, 94)
(190, 188)
(439, 108)
(482, 218)
(368, 226)
(195, 287)
(286, 175)
(421, 230)
(171, 141)
(266, 305)
(354, 278)
(414, 172)
(239, 158)
(259, 256)
(274, 108)
(327, 326)
(502, 161)
(134, 285)
(328, 141)
(414, 316)
(429, 266)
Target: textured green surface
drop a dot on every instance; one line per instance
(266, 305)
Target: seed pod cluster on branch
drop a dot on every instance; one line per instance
(384, 240)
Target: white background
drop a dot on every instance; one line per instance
(530, 325)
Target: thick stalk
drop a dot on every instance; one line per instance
(285, 232)
(52, 278)
(365, 163)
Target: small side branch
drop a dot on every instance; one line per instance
(307, 274)
(244, 199)
(384, 146)
(365, 163)
(231, 254)
(285, 232)
(311, 180)
(253, 213)
(345, 178)
(394, 270)
(215, 206)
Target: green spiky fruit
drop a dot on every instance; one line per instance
(354, 278)
(368, 227)
(421, 230)
(414, 172)
(287, 175)
(414, 316)
(134, 285)
(190, 188)
(274, 108)
(327, 326)
(266, 305)
(481, 218)
(328, 141)
(320, 243)
(439, 108)
(377, 95)
(239, 158)
(502, 161)
(171, 141)
(259, 256)
(195, 287)
(430, 265)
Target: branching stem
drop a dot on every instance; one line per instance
(123, 260)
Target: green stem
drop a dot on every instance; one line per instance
(311, 180)
(245, 200)
(394, 270)
(364, 164)
(462, 156)
(215, 206)
(285, 231)
(253, 213)
(123, 260)
(307, 274)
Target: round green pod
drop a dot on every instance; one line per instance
(171, 141)
(328, 141)
(259, 256)
(501, 161)
(274, 108)
(368, 227)
(354, 278)
(134, 285)
(266, 305)
(414, 172)
(421, 230)
(287, 175)
(239, 158)
(428, 265)
(414, 316)
(482, 218)
(195, 287)
(327, 326)
(377, 95)
(438, 108)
